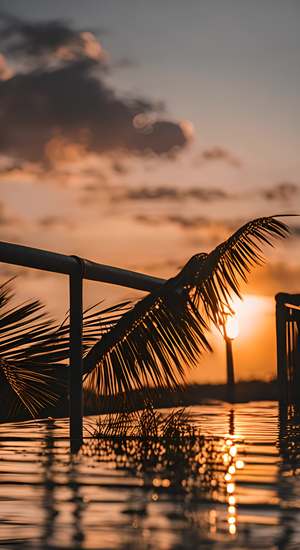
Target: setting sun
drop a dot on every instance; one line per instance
(249, 315)
(232, 327)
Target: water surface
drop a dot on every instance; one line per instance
(49, 499)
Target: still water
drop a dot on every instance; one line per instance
(250, 499)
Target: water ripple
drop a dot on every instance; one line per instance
(51, 500)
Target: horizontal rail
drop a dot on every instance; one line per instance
(290, 300)
(45, 260)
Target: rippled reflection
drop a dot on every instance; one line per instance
(165, 452)
(233, 463)
(236, 487)
(169, 455)
(288, 472)
(55, 469)
(289, 437)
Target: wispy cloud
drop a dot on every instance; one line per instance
(176, 219)
(218, 154)
(172, 193)
(50, 222)
(284, 191)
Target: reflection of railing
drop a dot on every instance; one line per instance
(288, 469)
(288, 346)
(60, 487)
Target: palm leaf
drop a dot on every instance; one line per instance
(212, 279)
(150, 345)
(29, 352)
(34, 351)
(165, 331)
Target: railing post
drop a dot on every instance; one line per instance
(230, 371)
(281, 342)
(75, 372)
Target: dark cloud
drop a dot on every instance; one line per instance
(152, 193)
(184, 222)
(42, 40)
(188, 222)
(147, 220)
(175, 194)
(50, 109)
(218, 154)
(282, 191)
(176, 219)
(207, 195)
(119, 167)
(198, 230)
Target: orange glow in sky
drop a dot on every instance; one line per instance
(254, 343)
(249, 316)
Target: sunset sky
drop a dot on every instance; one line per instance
(138, 133)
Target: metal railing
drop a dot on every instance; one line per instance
(77, 269)
(288, 346)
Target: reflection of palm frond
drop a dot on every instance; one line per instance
(165, 330)
(168, 451)
(144, 424)
(34, 350)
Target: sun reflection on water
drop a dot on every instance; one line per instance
(171, 458)
(232, 463)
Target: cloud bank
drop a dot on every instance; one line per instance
(58, 99)
(175, 194)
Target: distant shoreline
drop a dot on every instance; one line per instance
(184, 396)
(196, 394)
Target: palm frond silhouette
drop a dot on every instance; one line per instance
(166, 331)
(150, 344)
(128, 346)
(212, 279)
(34, 351)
